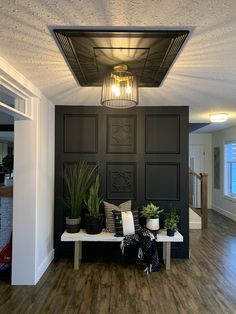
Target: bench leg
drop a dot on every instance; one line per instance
(166, 254)
(77, 254)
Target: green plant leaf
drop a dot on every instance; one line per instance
(78, 179)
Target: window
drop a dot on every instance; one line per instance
(11, 99)
(230, 169)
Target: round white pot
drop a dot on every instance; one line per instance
(152, 223)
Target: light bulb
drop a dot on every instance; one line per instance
(117, 93)
(115, 90)
(128, 90)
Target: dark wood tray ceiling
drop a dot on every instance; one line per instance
(148, 54)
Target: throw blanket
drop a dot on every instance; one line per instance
(147, 250)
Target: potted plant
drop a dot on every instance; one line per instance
(151, 212)
(7, 163)
(78, 179)
(94, 219)
(171, 221)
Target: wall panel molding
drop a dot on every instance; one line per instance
(162, 181)
(162, 134)
(143, 156)
(80, 133)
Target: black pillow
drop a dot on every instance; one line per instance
(130, 225)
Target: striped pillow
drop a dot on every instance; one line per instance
(126, 223)
(110, 225)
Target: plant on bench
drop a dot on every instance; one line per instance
(94, 219)
(152, 212)
(78, 179)
(171, 221)
(125, 220)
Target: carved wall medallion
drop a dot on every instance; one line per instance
(121, 180)
(121, 134)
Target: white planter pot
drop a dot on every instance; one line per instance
(152, 223)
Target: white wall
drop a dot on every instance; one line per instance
(205, 139)
(45, 187)
(33, 185)
(24, 203)
(221, 203)
(195, 221)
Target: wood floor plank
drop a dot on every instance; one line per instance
(206, 283)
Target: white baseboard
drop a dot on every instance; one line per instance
(195, 225)
(44, 265)
(224, 212)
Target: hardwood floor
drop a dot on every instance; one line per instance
(206, 283)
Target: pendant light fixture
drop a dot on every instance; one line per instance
(119, 89)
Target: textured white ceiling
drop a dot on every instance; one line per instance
(203, 77)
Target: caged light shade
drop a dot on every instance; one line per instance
(119, 89)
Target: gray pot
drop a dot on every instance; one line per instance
(73, 224)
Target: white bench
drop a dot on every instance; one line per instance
(82, 236)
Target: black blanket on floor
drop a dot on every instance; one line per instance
(147, 248)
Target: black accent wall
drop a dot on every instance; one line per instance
(143, 156)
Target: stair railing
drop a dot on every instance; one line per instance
(198, 195)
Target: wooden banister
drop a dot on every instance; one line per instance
(204, 200)
(198, 195)
(194, 173)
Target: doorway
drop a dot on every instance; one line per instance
(6, 193)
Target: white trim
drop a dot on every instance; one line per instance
(230, 198)
(13, 112)
(18, 81)
(195, 225)
(9, 84)
(15, 87)
(226, 174)
(27, 265)
(44, 265)
(224, 212)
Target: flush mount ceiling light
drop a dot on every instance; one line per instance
(119, 89)
(219, 117)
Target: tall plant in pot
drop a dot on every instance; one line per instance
(171, 222)
(152, 212)
(78, 179)
(94, 218)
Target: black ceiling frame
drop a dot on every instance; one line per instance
(147, 77)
